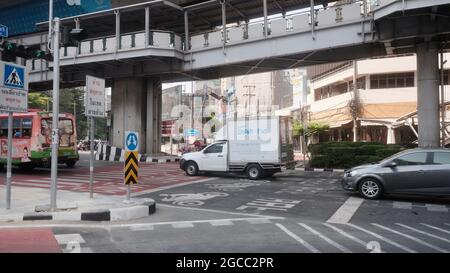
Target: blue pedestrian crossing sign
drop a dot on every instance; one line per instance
(131, 141)
(14, 76)
(13, 88)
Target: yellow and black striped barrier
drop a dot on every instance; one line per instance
(131, 168)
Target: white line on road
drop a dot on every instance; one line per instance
(182, 225)
(417, 240)
(346, 211)
(437, 208)
(325, 238)
(298, 239)
(223, 211)
(340, 231)
(402, 205)
(436, 228)
(172, 186)
(424, 233)
(221, 223)
(382, 238)
(63, 239)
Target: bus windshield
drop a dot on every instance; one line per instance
(65, 130)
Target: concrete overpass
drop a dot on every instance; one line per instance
(137, 47)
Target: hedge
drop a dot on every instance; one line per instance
(349, 154)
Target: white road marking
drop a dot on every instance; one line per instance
(222, 211)
(259, 221)
(325, 238)
(142, 228)
(172, 186)
(437, 208)
(340, 231)
(177, 223)
(298, 239)
(183, 225)
(417, 240)
(436, 228)
(221, 223)
(346, 211)
(424, 233)
(402, 205)
(382, 238)
(63, 239)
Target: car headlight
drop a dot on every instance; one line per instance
(351, 173)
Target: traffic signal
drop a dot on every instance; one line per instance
(72, 37)
(12, 50)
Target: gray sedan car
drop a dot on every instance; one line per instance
(416, 171)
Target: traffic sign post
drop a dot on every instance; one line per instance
(95, 107)
(13, 98)
(131, 167)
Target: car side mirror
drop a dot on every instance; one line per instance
(392, 165)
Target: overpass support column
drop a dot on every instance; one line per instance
(428, 95)
(136, 106)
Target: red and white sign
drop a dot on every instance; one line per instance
(95, 97)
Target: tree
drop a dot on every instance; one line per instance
(314, 128)
(38, 100)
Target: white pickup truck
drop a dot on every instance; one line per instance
(258, 147)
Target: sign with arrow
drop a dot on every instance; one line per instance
(131, 158)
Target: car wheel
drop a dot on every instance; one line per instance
(191, 168)
(370, 188)
(254, 172)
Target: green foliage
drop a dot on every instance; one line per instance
(349, 154)
(313, 128)
(70, 100)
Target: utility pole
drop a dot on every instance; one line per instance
(55, 119)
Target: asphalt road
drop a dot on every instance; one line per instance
(299, 212)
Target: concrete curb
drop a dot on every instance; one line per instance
(306, 169)
(114, 214)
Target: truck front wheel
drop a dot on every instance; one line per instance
(254, 172)
(191, 168)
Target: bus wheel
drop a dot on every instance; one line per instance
(71, 163)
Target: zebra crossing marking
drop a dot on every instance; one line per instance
(424, 233)
(297, 238)
(380, 237)
(417, 240)
(325, 238)
(436, 228)
(343, 233)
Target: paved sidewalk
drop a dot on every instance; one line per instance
(72, 206)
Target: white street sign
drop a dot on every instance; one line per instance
(95, 97)
(13, 88)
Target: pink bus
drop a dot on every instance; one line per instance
(32, 139)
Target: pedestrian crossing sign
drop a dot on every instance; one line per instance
(14, 76)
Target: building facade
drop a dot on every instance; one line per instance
(382, 106)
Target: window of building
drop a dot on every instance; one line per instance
(393, 80)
